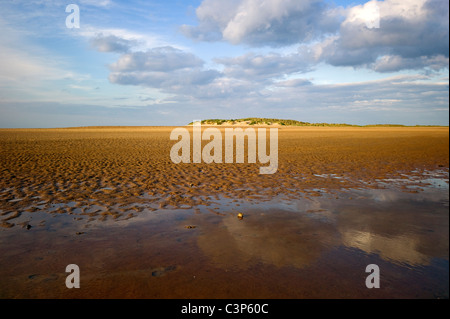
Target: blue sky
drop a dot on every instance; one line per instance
(170, 62)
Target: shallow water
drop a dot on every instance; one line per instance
(304, 247)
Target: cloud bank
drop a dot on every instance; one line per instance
(260, 23)
(384, 36)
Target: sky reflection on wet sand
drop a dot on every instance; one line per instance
(306, 248)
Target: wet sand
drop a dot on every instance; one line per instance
(111, 201)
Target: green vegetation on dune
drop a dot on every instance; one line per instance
(267, 121)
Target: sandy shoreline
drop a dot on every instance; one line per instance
(131, 167)
(111, 200)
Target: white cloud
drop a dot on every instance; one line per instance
(260, 23)
(112, 43)
(412, 35)
(266, 68)
(123, 39)
(386, 36)
(97, 3)
(292, 83)
(393, 63)
(162, 59)
(166, 68)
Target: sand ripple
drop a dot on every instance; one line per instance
(117, 173)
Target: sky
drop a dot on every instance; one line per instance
(146, 63)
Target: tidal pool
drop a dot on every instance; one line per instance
(308, 247)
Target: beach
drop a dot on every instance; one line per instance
(110, 200)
